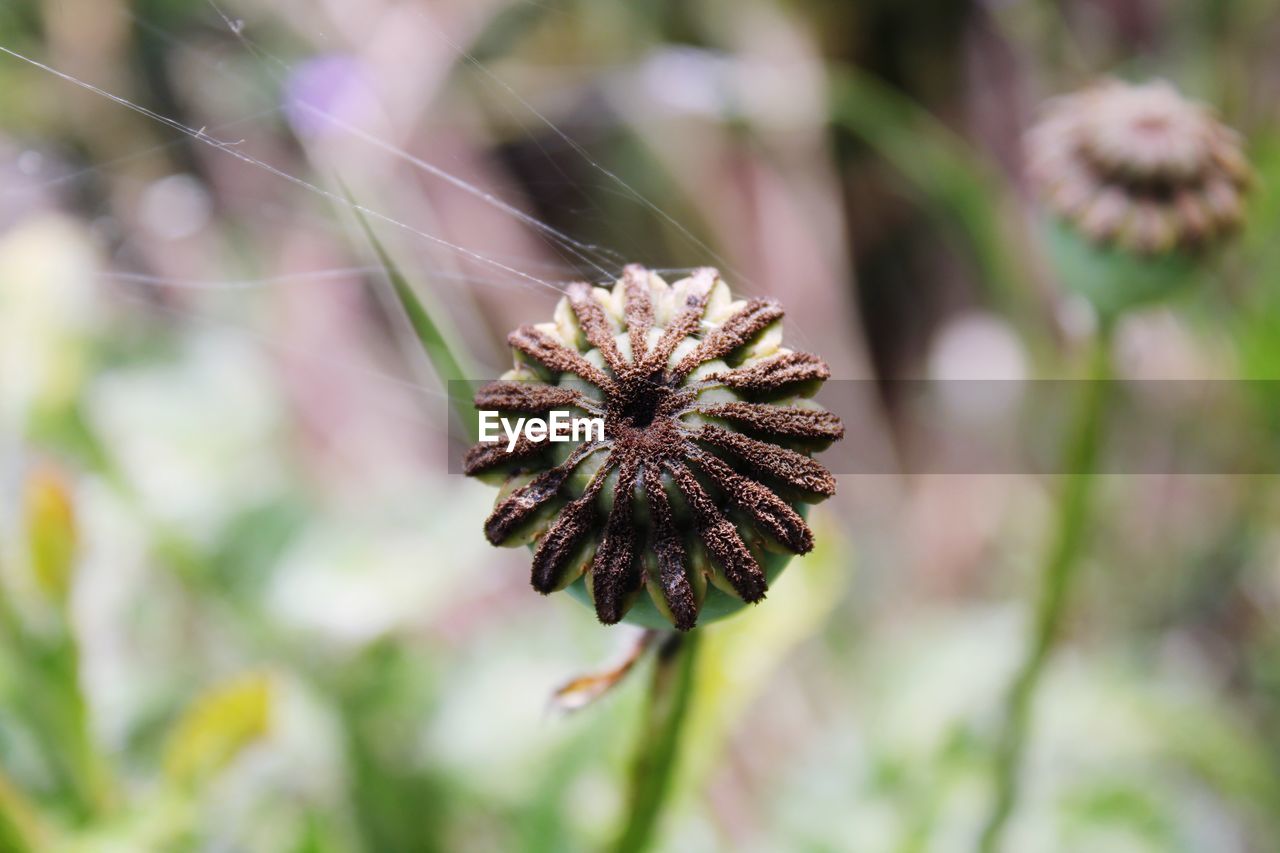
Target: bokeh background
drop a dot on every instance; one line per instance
(245, 607)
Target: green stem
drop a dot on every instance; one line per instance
(1080, 460)
(53, 706)
(658, 746)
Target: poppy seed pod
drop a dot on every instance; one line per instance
(1144, 178)
(696, 491)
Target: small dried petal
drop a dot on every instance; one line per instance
(1224, 204)
(1105, 214)
(521, 504)
(684, 324)
(1149, 230)
(1196, 219)
(518, 507)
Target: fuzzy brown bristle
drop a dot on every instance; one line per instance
(596, 326)
(776, 373)
(732, 334)
(685, 323)
(557, 547)
(521, 504)
(638, 311)
(485, 457)
(782, 421)
(613, 572)
(721, 538)
(673, 573)
(785, 465)
(770, 513)
(544, 349)
(526, 397)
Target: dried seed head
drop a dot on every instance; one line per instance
(691, 497)
(1139, 167)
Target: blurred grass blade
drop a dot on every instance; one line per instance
(442, 354)
(939, 166)
(217, 728)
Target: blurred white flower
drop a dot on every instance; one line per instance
(354, 577)
(174, 207)
(195, 438)
(979, 365)
(774, 93)
(49, 308)
(1122, 757)
(977, 345)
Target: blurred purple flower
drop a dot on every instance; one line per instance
(326, 93)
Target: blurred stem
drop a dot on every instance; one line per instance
(1080, 459)
(17, 821)
(65, 724)
(952, 180)
(54, 708)
(659, 742)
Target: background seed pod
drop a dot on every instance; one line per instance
(1142, 186)
(693, 502)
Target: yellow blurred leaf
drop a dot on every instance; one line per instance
(20, 826)
(217, 727)
(51, 531)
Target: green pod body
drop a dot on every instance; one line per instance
(1115, 280)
